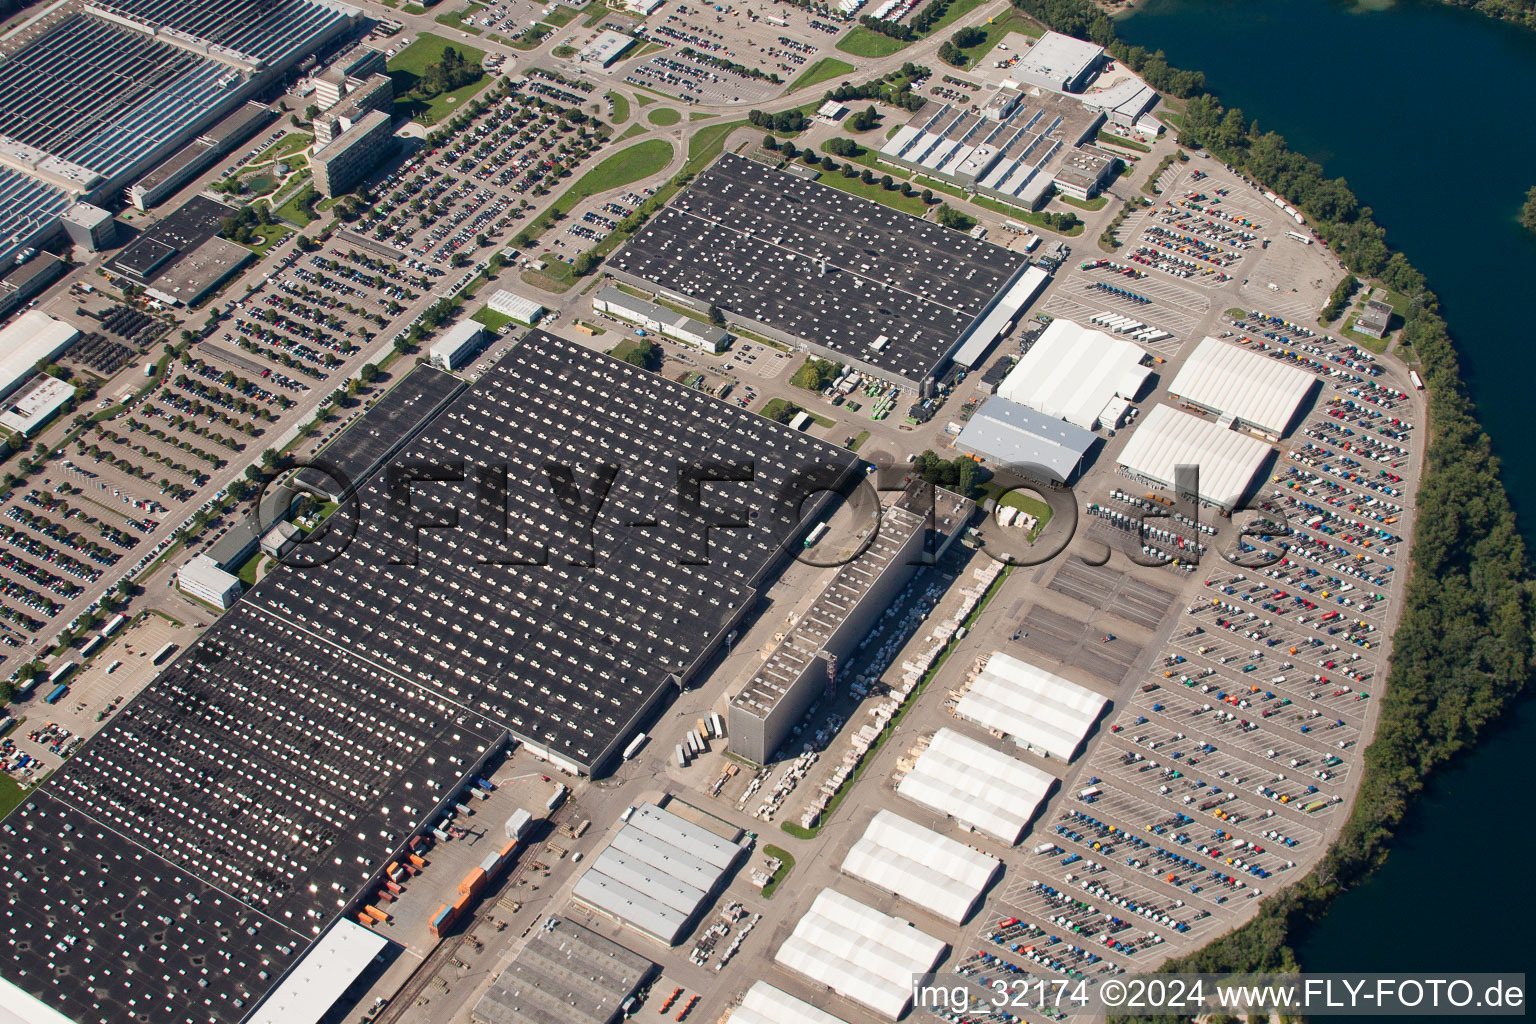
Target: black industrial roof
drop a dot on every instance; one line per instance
(180, 231)
(820, 264)
(103, 930)
(374, 435)
(285, 755)
(507, 619)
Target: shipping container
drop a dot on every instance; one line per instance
(557, 798)
(56, 693)
(162, 654)
(113, 626)
(375, 913)
(508, 850)
(441, 921)
(519, 824)
(417, 860)
(473, 882)
(61, 672)
(485, 785)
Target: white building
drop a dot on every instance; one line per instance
(27, 414)
(606, 48)
(1228, 461)
(982, 788)
(202, 578)
(662, 320)
(29, 339)
(934, 872)
(1235, 384)
(764, 1004)
(524, 311)
(458, 346)
(317, 981)
(1060, 63)
(1072, 372)
(1039, 709)
(860, 953)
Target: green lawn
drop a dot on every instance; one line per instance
(996, 29)
(821, 71)
(1127, 143)
(635, 129)
(622, 168)
(774, 406)
(894, 199)
(858, 442)
(664, 116)
(1096, 203)
(295, 210)
(1034, 506)
(787, 865)
(289, 144)
(864, 42)
(455, 19)
(270, 234)
(561, 17)
(620, 108)
(248, 569)
(407, 67)
(701, 117)
(707, 143)
(958, 10)
(13, 793)
(644, 100)
(491, 319)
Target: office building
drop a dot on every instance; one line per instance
(352, 154)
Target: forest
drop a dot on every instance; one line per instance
(1463, 648)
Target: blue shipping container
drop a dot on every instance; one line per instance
(56, 693)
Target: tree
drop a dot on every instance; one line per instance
(953, 218)
(369, 373)
(715, 316)
(311, 112)
(770, 143)
(1528, 212)
(927, 196)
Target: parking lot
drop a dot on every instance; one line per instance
(463, 193)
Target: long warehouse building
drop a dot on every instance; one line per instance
(1251, 390)
(1230, 463)
(842, 277)
(259, 786)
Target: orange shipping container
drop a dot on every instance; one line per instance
(460, 903)
(375, 913)
(473, 882)
(365, 919)
(418, 861)
(506, 851)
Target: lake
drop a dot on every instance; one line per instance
(1418, 106)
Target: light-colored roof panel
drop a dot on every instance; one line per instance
(1037, 708)
(1013, 434)
(685, 835)
(765, 1004)
(926, 869)
(314, 985)
(630, 905)
(1232, 381)
(1167, 438)
(985, 788)
(860, 953)
(1071, 372)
